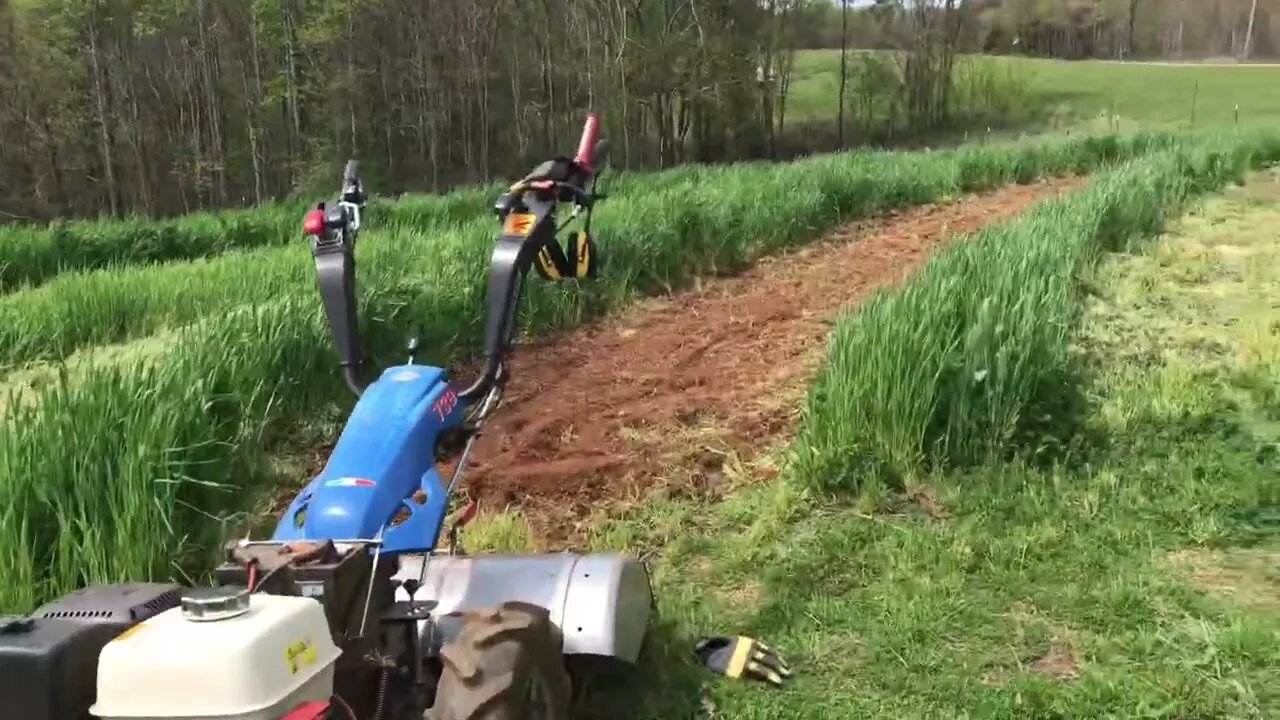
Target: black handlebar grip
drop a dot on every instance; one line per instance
(602, 151)
(352, 191)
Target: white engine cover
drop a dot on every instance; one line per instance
(256, 666)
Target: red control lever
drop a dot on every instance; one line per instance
(587, 145)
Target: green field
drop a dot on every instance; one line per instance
(1039, 479)
(1089, 95)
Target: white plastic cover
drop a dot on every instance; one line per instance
(256, 666)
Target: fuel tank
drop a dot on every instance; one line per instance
(223, 655)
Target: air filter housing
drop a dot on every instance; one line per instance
(49, 660)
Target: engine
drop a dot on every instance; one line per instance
(49, 660)
(147, 651)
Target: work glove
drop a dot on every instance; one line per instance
(742, 657)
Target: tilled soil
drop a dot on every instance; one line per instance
(593, 417)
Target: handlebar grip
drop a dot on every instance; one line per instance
(352, 189)
(587, 145)
(351, 177)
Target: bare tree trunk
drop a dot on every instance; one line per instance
(136, 139)
(352, 84)
(388, 144)
(1248, 38)
(254, 98)
(1133, 23)
(844, 70)
(548, 85)
(623, 73)
(785, 64)
(291, 82)
(100, 102)
(210, 73)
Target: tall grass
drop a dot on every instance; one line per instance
(971, 358)
(31, 255)
(125, 469)
(85, 309)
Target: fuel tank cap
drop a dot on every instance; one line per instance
(213, 604)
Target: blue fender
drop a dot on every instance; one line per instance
(383, 467)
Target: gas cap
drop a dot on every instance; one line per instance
(213, 604)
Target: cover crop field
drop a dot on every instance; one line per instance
(240, 357)
(959, 458)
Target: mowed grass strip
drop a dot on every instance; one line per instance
(971, 358)
(131, 470)
(648, 216)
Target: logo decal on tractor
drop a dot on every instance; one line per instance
(350, 482)
(405, 376)
(300, 654)
(519, 224)
(445, 405)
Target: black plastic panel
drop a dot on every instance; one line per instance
(49, 662)
(123, 605)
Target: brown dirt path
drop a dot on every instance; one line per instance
(588, 414)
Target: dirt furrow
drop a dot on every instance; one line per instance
(589, 415)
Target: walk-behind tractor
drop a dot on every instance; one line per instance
(361, 606)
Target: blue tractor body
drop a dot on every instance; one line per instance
(382, 473)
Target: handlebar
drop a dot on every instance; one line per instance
(334, 227)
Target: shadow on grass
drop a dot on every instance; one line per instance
(1057, 433)
(665, 683)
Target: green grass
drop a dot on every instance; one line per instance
(1089, 95)
(1157, 96)
(132, 469)
(132, 299)
(31, 255)
(80, 310)
(981, 337)
(1139, 578)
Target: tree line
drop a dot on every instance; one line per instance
(163, 106)
(160, 107)
(1075, 29)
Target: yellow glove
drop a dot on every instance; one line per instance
(742, 657)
